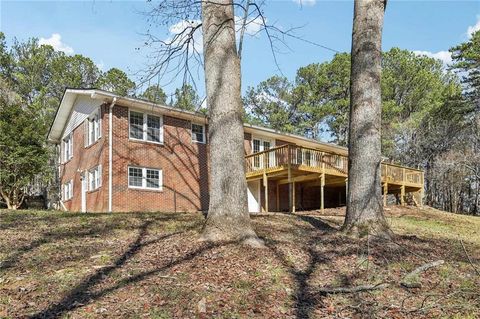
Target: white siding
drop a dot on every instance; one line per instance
(82, 108)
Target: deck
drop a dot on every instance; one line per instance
(290, 164)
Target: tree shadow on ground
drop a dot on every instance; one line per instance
(84, 292)
(324, 244)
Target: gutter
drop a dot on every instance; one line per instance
(110, 153)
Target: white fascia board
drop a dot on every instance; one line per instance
(147, 106)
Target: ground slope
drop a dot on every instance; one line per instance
(142, 265)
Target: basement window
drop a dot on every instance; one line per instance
(145, 178)
(145, 127)
(198, 133)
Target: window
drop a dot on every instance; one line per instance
(198, 133)
(147, 178)
(67, 147)
(95, 178)
(93, 130)
(146, 127)
(68, 190)
(260, 145)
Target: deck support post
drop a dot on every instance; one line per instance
(265, 185)
(385, 192)
(291, 191)
(277, 207)
(346, 190)
(293, 197)
(322, 193)
(402, 195)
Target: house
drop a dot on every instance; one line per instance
(124, 154)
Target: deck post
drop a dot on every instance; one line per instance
(291, 205)
(346, 190)
(322, 193)
(293, 197)
(385, 192)
(278, 198)
(265, 185)
(402, 195)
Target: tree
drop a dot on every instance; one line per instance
(466, 57)
(364, 205)
(186, 98)
(228, 217)
(116, 81)
(155, 94)
(74, 71)
(324, 94)
(272, 104)
(23, 154)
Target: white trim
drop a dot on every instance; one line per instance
(203, 133)
(67, 187)
(67, 148)
(110, 152)
(144, 178)
(145, 127)
(94, 174)
(93, 125)
(262, 139)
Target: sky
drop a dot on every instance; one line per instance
(112, 32)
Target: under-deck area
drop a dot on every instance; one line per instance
(291, 178)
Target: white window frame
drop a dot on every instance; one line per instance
(256, 161)
(93, 128)
(95, 176)
(145, 127)
(144, 178)
(194, 136)
(68, 147)
(67, 191)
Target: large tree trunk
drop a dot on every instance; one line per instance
(364, 203)
(228, 217)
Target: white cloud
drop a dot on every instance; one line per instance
(252, 27)
(474, 28)
(444, 56)
(178, 35)
(56, 42)
(305, 3)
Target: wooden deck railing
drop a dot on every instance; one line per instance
(302, 158)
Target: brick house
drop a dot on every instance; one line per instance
(124, 154)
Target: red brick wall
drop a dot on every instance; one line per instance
(183, 163)
(84, 159)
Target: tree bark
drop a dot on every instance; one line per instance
(228, 217)
(364, 203)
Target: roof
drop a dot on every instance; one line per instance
(70, 95)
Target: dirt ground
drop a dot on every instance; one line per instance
(152, 265)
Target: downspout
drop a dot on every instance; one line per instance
(110, 153)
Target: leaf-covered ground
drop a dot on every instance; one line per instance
(65, 265)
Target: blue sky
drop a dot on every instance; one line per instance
(110, 32)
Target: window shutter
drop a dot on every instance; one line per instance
(85, 132)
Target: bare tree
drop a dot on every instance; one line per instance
(364, 204)
(228, 217)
